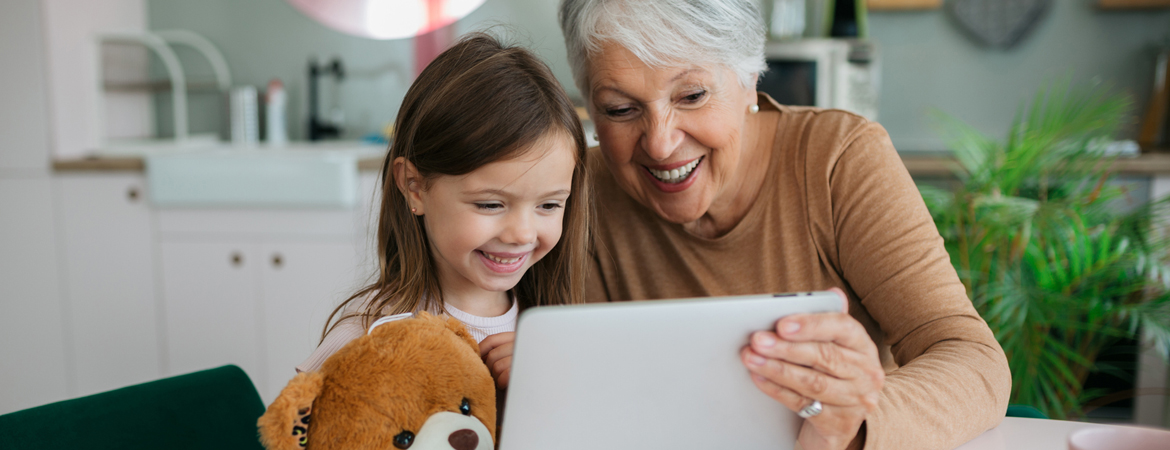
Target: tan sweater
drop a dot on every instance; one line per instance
(837, 209)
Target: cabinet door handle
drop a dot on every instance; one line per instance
(132, 194)
(237, 259)
(277, 260)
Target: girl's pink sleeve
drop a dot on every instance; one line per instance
(345, 331)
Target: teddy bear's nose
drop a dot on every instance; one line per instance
(464, 439)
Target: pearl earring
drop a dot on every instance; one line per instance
(413, 210)
(754, 109)
(595, 137)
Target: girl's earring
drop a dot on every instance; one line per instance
(413, 210)
(754, 109)
(595, 137)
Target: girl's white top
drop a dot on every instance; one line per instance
(350, 329)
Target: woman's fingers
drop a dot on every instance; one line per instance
(833, 427)
(787, 397)
(832, 359)
(811, 383)
(826, 357)
(838, 328)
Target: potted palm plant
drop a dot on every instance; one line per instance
(1035, 235)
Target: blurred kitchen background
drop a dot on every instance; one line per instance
(928, 60)
(140, 240)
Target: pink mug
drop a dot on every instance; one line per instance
(1119, 438)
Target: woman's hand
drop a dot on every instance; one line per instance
(827, 357)
(496, 351)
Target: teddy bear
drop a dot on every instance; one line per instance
(415, 383)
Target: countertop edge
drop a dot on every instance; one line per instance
(1147, 164)
(112, 164)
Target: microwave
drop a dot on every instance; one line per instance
(826, 73)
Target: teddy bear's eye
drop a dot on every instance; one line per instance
(465, 407)
(403, 440)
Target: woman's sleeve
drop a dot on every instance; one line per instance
(953, 380)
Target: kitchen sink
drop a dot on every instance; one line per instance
(297, 176)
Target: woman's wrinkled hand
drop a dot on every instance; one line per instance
(827, 357)
(496, 351)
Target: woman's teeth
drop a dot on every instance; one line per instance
(675, 175)
(501, 260)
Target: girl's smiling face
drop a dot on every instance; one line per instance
(488, 227)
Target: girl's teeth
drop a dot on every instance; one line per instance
(675, 175)
(501, 260)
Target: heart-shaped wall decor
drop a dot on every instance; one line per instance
(998, 23)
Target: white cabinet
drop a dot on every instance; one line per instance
(258, 305)
(109, 270)
(212, 316)
(101, 290)
(254, 287)
(33, 367)
(301, 283)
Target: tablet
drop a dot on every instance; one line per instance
(649, 374)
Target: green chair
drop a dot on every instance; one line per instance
(1025, 411)
(211, 409)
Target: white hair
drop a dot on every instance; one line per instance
(666, 33)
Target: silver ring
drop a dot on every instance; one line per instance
(811, 410)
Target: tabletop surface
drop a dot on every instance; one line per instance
(1032, 434)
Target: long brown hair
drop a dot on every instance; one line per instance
(478, 102)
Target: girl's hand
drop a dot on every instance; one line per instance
(496, 351)
(827, 357)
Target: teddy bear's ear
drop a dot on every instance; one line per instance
(285, 426)
(460, 330)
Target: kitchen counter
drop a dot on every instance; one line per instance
(138, 164)
(100, 164)
(1148, 164)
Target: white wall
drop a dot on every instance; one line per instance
(77, 111)
(929, 61)
(266, 39)
(23, 110)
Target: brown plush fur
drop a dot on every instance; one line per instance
(381, 384)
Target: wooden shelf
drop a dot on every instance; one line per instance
(901, 5)
(158, 86)
(1133, 4)
(95, 164)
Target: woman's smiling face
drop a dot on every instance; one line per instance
(671, 136)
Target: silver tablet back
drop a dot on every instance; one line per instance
(647, 375)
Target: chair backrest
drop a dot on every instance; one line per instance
(211, 409)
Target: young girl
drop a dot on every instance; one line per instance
(485, 203)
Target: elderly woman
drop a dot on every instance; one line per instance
(707, 187)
